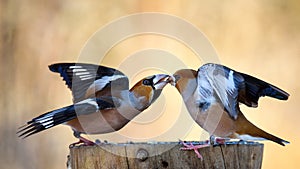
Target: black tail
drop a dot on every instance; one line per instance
(47, 120)
(256, 88)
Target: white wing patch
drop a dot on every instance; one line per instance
(82, 73)
(75, 67)
(89, 101)
(47, 121)
(78, 70)
(85, 76)
(222, 85)
(205, 89)
(230, 82)
(99, 84)
(218, 83)
(212, 80)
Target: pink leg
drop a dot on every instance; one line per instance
(218, 140)
(83, 140)
(221, 141)
(195, 148)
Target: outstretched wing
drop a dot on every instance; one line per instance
(86, 80)
(65, 114)
(223, 84)
(256, 88)
(232, 87)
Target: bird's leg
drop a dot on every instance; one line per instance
(194, 147)
(74, 144)
(217, 140)
(86, 142)
(83, 140)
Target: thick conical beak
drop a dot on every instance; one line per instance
(160, 81)
(173, 79)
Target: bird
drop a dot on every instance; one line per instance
(102, 100)
(212, 96)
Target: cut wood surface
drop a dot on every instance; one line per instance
(164, 155)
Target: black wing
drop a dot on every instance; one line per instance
(80, 77)
(65, 114)
(250, 89)
(256, 88)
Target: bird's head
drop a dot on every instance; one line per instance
(185, 80)
(147, 90)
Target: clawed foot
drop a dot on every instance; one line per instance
(217, 140)
(85, 142)
(194, 147)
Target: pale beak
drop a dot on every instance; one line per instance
(160, 81)
(173, 79)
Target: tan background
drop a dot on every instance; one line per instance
(258, 37)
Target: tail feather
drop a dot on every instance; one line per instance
(252, 132)
(47, 120)
(273, 138)
(257, 132)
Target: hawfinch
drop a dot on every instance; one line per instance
(212, 96)
(103, 102)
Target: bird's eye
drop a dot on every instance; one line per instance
(146, 82)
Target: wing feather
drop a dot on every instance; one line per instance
(232, 87)
(85, 80)
(224, 85)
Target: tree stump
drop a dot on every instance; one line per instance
(164, 155)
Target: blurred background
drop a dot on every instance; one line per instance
(260, 38)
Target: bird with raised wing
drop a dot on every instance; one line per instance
(103, 102)
(212, 96)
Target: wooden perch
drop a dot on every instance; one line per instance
(164, 155)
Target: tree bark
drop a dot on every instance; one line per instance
(165, 155)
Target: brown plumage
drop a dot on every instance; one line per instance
(103, 102)
(213, 100)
